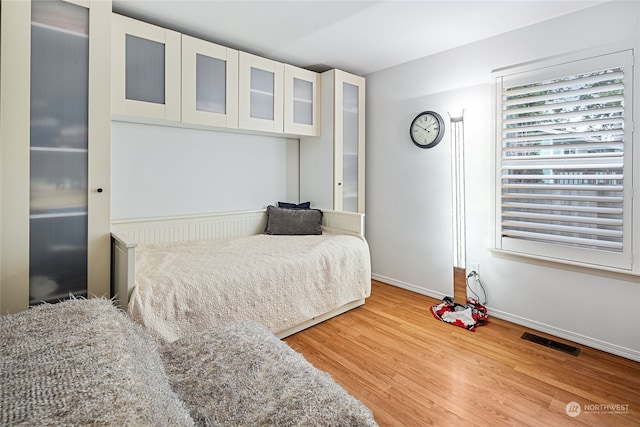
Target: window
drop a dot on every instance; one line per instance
(564, 157)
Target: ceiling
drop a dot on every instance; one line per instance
(357, 36)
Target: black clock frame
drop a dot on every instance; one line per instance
(440, 133)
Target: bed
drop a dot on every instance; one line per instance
(180, 275)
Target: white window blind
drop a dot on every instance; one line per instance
(565, 160)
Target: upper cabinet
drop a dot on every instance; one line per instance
(261, 95)
(145, 69)
(209, 83)
(301, 101)
(163, 75)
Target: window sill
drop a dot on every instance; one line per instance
(577, 267)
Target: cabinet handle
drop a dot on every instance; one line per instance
(99, 190)
(339, 183)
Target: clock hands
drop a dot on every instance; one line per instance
(427, 129)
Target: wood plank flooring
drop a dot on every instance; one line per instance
(413, 370)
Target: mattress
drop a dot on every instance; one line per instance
(279, 281)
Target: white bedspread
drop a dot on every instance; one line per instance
(279, 281)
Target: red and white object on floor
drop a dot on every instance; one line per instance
(468, 316)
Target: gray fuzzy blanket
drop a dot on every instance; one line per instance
(84, 362)
(241, 375)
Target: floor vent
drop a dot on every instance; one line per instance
(565, 348)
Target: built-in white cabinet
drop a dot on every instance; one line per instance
(209, 83)
(163, 75)
(332, 166)
(55, 145)
(277, 97)
(146, 66)
(301, 101)
(260, 93)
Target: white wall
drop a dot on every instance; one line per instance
(164, 171)
(408, 189)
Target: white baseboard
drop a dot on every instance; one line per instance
(541, 327)
(408, 286)
(568, 335)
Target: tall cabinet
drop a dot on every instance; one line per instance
(332, 166)
(54, 148)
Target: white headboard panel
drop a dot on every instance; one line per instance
(347, 221)
(196, 227)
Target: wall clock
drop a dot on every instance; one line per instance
(427, 129)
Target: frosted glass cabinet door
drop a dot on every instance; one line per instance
(260, 88)
(349, 147)
(301, 101)
(58, 151)
(146, 70)
(349, 142)
(209, 83)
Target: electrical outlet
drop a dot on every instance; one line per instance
(474, 266)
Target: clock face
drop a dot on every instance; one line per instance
(427, 129)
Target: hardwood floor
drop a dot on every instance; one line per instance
(412, 370)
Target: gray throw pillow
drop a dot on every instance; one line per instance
(293, 221)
